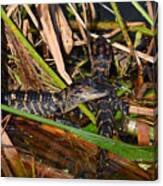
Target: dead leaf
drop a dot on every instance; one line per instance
(65, 30)
(52, 41)
(12, 156)
(26, 28)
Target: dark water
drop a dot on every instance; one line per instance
(127, 10)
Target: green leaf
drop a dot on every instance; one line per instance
(125, 88)
(137, 39)
(118, 115)
(143, 30)
(151, 93)
(143, 12)
(91, 128)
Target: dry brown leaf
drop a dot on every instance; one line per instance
(24, 63)
(26, 32)
(65, 30)
(6, 170)
(60, 148)
(12, 156)
(52, 41)
(11, 9)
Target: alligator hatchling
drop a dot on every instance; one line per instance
(95, 88)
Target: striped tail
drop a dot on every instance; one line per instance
(105, 120)
(105, 124)
(43, 103)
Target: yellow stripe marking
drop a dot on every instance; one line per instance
(33, 108)
(13, 96)
(25, 97)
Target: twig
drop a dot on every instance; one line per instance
(77, 67)
(141, 55)
(111, 34)
(32, 16)
(79, 21)
(34, 20)
(151, 46)
(135, 23)
(130, 25)
(93, 11)
(150, 9)
(143, 110)
(107, 8)
(77, 16)
(85, 13)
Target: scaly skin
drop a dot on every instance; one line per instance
(96, 88)
(50, 104)
(102, 58)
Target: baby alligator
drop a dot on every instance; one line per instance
(102, 58)
(95, 88)
(50, 104)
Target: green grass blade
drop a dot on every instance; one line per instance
(87, 112)
(41, 62)
(143, 12)
(143, 30)
(121, 23)
(130, 152)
